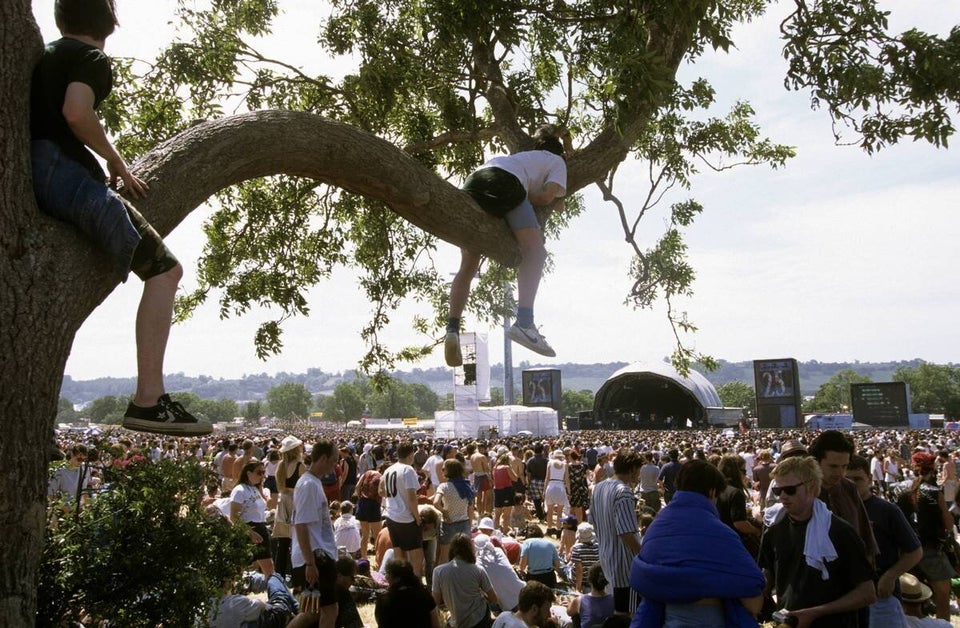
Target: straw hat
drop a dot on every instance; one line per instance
(912, 590)
(288, 443)
(792, 448)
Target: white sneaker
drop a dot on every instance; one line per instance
(530, 338)
(451, 349)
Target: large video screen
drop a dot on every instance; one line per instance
(884, 404)
(541, 388)
(775, 379)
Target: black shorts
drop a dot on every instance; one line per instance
(405, 536)
(504, 497)
(151, 257)
(368, 511)
(495, 190)
(261, 551)
(326, 584)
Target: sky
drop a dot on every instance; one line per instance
(839, 256)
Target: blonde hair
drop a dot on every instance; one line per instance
(805, 468)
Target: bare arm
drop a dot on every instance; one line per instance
(862, 595)
(84, 123)
(302, 533)
(411, 497)
(545, 196)
(632, 541)
(888, 579)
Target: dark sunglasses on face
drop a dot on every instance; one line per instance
(789, 490)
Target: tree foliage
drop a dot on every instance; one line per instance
(834, 394)
(451, 82)
(738, 395)
(141, 553)
(574, 401)
(289, 399)
(934, 388)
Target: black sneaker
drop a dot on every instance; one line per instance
(167, 417)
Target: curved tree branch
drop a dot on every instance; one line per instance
(186, 170)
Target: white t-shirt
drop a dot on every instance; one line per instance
(507, 619)
(310, 507)
(534, 168)
(253, 509)
(346, 532)
(396, 481)
(431, 466)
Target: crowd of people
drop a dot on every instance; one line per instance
(669, 528)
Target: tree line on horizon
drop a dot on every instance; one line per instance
(935, 389)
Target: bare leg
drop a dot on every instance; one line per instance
(530, 271)
(152, 331)
(266, 566)
(415, 557)
(460, 288)
(443, 552)
(941, 598)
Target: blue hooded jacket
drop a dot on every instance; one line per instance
(689, 554)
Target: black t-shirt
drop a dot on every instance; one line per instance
(63, 62)
(893, 533)
(732, 505)
(798, 585)
(929, 520)
(537, 468)
(404, 606)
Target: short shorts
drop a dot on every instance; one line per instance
(504, 497)
(261, 551)
(935, 565)
(501, 194)
(368, 510)
(405, 536)
(450, 530)
(326, 584)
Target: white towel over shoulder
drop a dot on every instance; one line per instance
(817, 548)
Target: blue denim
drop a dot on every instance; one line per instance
(67, 191)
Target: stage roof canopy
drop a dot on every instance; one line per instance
(656, 387)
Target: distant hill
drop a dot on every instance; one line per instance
(590, 377)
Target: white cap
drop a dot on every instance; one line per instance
(485, 524)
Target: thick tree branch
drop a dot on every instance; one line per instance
(186, 170)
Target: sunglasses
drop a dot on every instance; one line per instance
(789, 490)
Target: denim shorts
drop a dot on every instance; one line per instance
(448, 530)
(66, 190)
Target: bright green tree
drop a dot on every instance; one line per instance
(934, 388)
(834, 394)
(574, 401)
(348, 401)
(101, 407)
(217, 410)
(394, 400)
(289, 399)
(738, 395)
(426, 400)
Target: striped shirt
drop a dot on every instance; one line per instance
(613, 512)
(587, 554)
